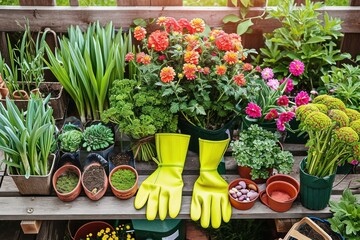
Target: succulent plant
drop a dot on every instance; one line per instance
(70, 141)
(97, 137)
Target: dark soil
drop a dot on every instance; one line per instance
(94, 178)
(120, 159)
(46, 90)
(311, 233)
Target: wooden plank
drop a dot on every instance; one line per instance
(109, 207)
(74, 3)
(60, 18)
(10, 230)
(37, 2)
(350, 42)
(54, 230)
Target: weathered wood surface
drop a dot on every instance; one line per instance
(60, 18)
(17, 207)
(149, 2)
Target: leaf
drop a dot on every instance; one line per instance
(231, 18)
(244, 26)
(234, 2)
(315, 39)
(245, 3)
(357, 58)
(140, 22)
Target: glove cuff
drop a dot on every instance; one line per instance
(170, 165)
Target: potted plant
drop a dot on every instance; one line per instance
(123, 181)
(67, 182)
(94, 181)
(70, 138)
(26, 140)
(257, 152)
(199, 72)
(333, 140)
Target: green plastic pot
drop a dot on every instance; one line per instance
(314, 191)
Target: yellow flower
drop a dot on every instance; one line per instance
(107, 230)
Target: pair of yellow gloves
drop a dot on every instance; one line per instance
(162, 190)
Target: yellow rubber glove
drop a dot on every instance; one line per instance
(162, 190)
(210, 200)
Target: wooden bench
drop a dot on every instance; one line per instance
(16, 207)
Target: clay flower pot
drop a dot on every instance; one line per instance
(20, 94)
(279, 196)
(244, 172)
(94, 181)
(64, 171)
(126, 193)
(91, 227)
(250, 185)
(284, 178)
(4, 91)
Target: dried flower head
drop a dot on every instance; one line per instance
(334, 103)
(338, 116)
(346, 135)
(317, 121)
(352, 114)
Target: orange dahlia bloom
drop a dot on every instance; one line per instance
(191, 57)
(230, 57)
(158, 40)
(221, 70)
(139, 33)
(247, 67)
(190, 71)
(206, 70)
(236, 41)
(161, 21)
(129, 57)
(198, 24)
(146, 59)
(224, 42)
(240, 79)
(167, 74)
(139, 57)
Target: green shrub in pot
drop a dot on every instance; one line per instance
(27, 138)
(259, 149)
(70, 141)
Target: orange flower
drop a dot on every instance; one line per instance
(215, 33)
(167, 74)
(206, 70)
(198, 24)
(235, 41)
(146, 59)
(224, 42)
(247, 67)
(139, 33)
(192, 42)
(230, 57)
(184, 23)
(190, 71)
(191, 57)
(158, 40)
(161, 21)
(221, 70)
(139, 57)
(240, 80)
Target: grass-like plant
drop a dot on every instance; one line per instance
(26, 139)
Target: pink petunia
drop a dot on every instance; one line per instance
(253, 110)
(286, 116)
(272, 114)
(283, 101)
(267, 73)
(273, 84)
(289, 84)
(354, 162)
(296, 67)
(302, 98)
(280, 125)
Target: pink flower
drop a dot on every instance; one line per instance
(286, 116)
(296, 67)
(354, 162)
(253, 110)
(272, 114)
(280, 125)
(283, 101)
(273, 84)
(314, 92)
(258, 68)
(302, 98)
(289, 84)
(162, 57)
(129, 57)
(267, 73)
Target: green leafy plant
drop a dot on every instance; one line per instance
(67, 182)
(87, 63)
(140, 111)
(123, 179)
(305, 36)
(97, 137)
(344, 83)
(259, 149)
(70, 140)
(346, 218)
(27, 139)
(333, 134)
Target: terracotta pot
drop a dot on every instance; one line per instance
(36, 91)
(280, 195)
(240, 204)
(124, 194)
(95, 194)
(20, 94)
(69, 196)
(91, 227)
(244, 172)
(4, 91)
(284, 178)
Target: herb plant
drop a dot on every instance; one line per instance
(70, 141)
(305, 36)
(123, 179)
(97, 137)
(258, 149)
(346, 218)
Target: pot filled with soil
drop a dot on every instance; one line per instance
(94, 181)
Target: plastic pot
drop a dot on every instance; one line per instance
(284, 178)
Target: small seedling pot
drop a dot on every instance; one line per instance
(284, 178)
(72, 195)
(124, 194)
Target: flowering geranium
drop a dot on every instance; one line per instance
(267, 100)
(333, 134)
(122, 232)
(199, 71)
